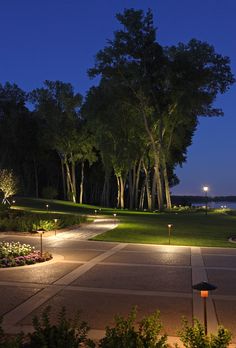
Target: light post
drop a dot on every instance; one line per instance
(47, 206)
(169, 231)
(206, 189)
(114, 218)
(95, 211)
(204, 288)
(55, 220)
(41, 232)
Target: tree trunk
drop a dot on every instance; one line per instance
(167, 186)
(154, 185)
(156, 154)
(137, 184)
(73, 181)
(81, 184)
(147, 185)
(131, 188)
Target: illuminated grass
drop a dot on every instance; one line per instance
(194, 229)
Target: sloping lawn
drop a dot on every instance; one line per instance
(188, 229)
(194, 229)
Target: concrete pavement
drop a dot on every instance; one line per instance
(103, 279)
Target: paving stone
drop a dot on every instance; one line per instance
(11, 296)
(45, 274)
(219, 261)
(99, 310)
(137, 278)
(153, 258)
(225, 280)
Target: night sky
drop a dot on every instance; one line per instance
(58, 39)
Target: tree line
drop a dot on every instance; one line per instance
(120, 144)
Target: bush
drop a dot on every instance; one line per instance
(30, 222)
(124, 334)
(194, 336)
(67, 333)
(49, 192)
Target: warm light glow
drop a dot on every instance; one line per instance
(204, 293)
(55, 220)
(47, 205)
(205, 188)
(169, 225)
(114, 215)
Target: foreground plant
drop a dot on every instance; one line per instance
(66, 333)
(124, 334)
(195, 337)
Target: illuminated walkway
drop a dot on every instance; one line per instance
(102, 279)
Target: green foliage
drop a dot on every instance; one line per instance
(49, 192)
(66, 333)
(10, 341)
(124, 334)
(30, 222)
(8, 183)
(194, 336)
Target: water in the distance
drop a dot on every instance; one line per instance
(217, 205)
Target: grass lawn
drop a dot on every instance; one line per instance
(195, 229)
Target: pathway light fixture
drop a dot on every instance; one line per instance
(204, 289)
(41, 232)
(169, 231)
(55, 220)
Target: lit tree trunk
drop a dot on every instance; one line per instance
(167, 186)
(81, 184)
(137, 184)
(147, 185)
(154, 185)
(156, 154)
(73, 181)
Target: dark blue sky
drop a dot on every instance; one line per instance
(58, 39)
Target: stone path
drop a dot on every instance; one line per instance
(103, 279)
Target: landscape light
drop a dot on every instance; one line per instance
(204, 289)
(41, 232)
(169, 231)
(55, 220)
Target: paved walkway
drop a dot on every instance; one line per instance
(103, 279)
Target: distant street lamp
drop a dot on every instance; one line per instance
(169, 231)
(204, 288)
(47, 206)
(114, 218)
(206, 189)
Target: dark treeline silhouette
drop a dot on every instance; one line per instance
(188, 200)
(118, 146)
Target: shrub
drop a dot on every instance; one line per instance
(67, 333)
(29, 222)
(194, 336)
(125, 335)
(49, 192)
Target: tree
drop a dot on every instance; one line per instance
(170, 87)
(58, 108)
(8, 184)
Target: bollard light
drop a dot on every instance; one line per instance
(41, 232)
(55, 220)
(169, 231)
(204, 289)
